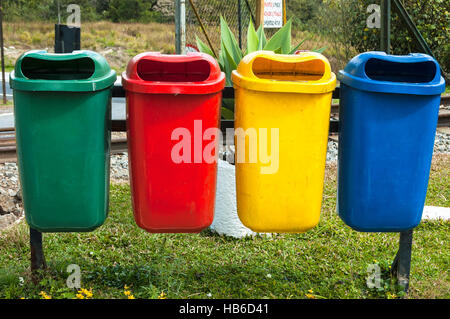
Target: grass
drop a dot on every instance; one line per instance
(329, 261)
(118, 42)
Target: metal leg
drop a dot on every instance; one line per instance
(401, 265)
(37, 253)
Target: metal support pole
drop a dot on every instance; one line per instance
(59, 12)
(203, 27)
(2, 53)
(249, 8)
(240, 24)
(180, 26)
(401, 11)
(401, 266)
(385, 40)
(37, 253)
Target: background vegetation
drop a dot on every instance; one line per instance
(345, 21)
(339, 23)
(92, 10)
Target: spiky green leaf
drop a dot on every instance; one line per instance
(281, 39)
(252, 38)
(229, 41)
(203, 47)
(261, 38)
(320, 50)
(226, 113)
(294, 49)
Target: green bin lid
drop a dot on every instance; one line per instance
(79, 71)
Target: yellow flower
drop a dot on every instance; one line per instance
(127, 292)
(162, 295)
(88, 293)
(126, 287)
(131, 297)
(310, 296)
(44, 295)
(310, 291)
(366, 29)
(84, 294)
(391, 296)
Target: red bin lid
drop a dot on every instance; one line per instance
(193, 73)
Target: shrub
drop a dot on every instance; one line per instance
(345, 20)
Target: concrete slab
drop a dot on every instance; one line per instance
(435, 212)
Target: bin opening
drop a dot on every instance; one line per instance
(311, 70)
(157, 71)
(416, 72)
(74, 69)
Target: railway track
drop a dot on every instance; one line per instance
(119, 145)
(8, 145)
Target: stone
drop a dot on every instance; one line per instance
(7, 205)
(19, 195)
(6, 220)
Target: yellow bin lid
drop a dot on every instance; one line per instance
(305, 72)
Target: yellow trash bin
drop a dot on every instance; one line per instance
(282, 113)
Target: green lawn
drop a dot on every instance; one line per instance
(329, 261)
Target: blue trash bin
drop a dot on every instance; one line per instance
(388, 115)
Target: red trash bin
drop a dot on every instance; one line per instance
(173, 116)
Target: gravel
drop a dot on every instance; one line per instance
(332, 151)
(119, 168)
(10, 196)
(442, 142)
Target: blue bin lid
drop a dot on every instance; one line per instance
(415, 73)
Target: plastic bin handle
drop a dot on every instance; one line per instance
(245, 67)
(358, 66)
(132, 72)
(101, 68)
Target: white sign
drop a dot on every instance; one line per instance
(273, 13)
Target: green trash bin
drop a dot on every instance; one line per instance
(62, 109)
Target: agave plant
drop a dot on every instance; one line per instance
(230, 54)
